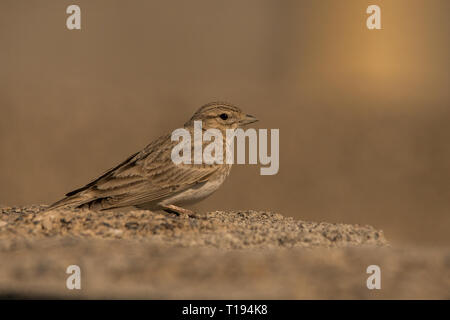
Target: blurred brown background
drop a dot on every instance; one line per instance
(363, 115)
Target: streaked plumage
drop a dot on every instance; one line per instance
(150, 180)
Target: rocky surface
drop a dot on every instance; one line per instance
(248, 254)
(225, 230)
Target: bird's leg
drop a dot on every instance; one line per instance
(178, 210)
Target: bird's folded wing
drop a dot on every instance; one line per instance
(134, 189)
(144, 177)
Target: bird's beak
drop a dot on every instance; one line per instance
(247, 120)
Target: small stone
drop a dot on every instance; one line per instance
(132, 225)
(47, 223)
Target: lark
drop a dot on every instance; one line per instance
(150, 180)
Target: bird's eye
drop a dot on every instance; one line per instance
(223, 116)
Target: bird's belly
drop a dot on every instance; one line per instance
(194, 194)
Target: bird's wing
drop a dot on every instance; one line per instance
(150, 189)
(144, 177)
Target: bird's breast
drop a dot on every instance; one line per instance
(200, 191)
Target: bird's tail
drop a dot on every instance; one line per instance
(74, 201)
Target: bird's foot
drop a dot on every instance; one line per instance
(179, 211)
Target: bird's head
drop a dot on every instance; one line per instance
(222, 116)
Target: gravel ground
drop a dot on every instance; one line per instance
(247, 254)
(225, 230)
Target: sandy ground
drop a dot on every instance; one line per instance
(248, 254)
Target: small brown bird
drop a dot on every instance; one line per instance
(149, 179)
